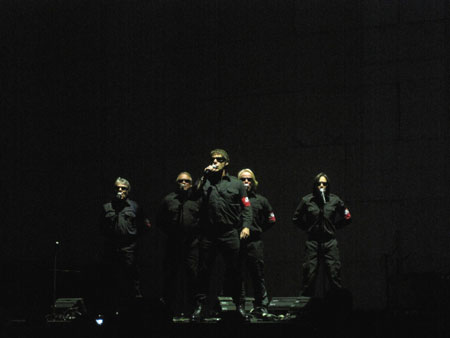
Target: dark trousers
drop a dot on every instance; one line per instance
(120, 274)
(227, 244)
(252, 261)
(180, 274)
(315, 252)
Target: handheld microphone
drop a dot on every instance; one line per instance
(322, 191)
(207, 171)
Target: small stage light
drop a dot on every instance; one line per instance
(99, 320)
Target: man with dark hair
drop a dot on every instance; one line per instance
(226, 216)
(122, 222)
(320, 214)
(252, 247)
(178, 217)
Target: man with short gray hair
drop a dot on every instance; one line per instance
(122, 222)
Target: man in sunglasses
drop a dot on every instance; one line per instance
(226, 216)
(320, 214)
(122, 222)
(177, 217)
(252, 248)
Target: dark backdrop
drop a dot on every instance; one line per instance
(93, 90)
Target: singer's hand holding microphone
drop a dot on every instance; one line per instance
(120, 195)
(210, 169)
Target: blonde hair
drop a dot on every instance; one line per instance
(184, 172)
(123, 181)
(246, 170)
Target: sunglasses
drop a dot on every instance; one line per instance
(182, 180)
(243, 179)
(324, 183)
(218, 159)
(122, 188)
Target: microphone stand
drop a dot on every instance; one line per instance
(320, 250)
(52, 316)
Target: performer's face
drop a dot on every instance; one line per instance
(247, 179)
(219, 161)
(121, 191)
(323, 183)
(184, 181)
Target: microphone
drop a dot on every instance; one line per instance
(322, 191)
(207, 171)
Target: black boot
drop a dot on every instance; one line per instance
(259, 312)
(197, 315)
(240, 310)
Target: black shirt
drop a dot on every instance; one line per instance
(263, 215)
(122, 221)
(225, 205)
(178, 214)
(321, 221)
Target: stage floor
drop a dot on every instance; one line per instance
(321, 324)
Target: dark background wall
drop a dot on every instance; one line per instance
(93, 90)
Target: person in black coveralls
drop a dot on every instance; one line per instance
(252, 247)
(178, 217)
(226, 217)
(320, 214)
(122, 222)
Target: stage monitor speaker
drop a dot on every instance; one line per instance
(226, 304)
(228, 311)
(67, 309)
(283, 305)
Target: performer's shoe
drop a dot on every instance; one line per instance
(197, 315)
(240, 310)
(259, 311)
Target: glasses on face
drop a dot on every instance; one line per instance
(243, 179)
(182, 180)
(322, 183)
(122, 188)
(218, 159)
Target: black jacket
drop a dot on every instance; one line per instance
(319, 220)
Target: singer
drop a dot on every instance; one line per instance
(178, 217)
(252, 247)
(225, 213)
(320, 214)
(122, 221)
